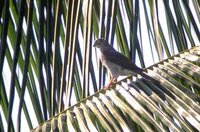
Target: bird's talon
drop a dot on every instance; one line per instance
(114, 80)
(106, 87)
(111, 83)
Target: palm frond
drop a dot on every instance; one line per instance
(47, 62)
(141, 102)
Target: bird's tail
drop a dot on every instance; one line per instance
(158, 88)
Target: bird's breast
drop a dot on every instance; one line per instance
(103, 59)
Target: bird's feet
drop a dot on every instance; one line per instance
(112, 81)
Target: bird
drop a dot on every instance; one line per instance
(117, 63)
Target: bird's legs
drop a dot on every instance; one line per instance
(113, 80)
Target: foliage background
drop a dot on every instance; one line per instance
(47, 62)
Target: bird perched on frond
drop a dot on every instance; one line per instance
(117, 63)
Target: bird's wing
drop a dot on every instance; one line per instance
(121, 60)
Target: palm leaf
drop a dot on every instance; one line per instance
(136, 98)
(47, 62)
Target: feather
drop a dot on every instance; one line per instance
(110, 54)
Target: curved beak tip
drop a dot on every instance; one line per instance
(94, 45)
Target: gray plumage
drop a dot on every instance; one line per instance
(117, 63)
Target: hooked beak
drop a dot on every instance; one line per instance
(95, 43)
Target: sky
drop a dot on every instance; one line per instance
(148, 58)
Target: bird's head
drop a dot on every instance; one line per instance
(101, 43)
